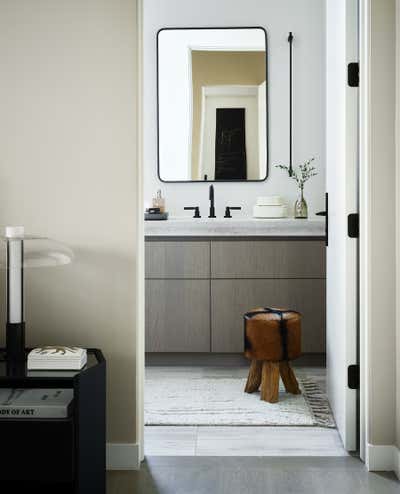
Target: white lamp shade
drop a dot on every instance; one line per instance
(37, 252)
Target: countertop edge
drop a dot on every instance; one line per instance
(251, 229)
(157, 237)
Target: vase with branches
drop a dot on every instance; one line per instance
(301, 175)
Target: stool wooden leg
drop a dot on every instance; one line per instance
(254, 377)
(270, 382)
(289, 378)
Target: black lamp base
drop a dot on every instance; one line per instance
(15, 342)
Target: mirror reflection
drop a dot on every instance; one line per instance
(212, 104)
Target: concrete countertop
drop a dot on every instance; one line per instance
(233, 227)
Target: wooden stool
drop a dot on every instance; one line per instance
(272, 339)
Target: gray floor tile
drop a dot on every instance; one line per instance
(238, 475)
(268, 441)
(172, 441)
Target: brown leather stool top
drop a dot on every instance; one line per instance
(272, 339)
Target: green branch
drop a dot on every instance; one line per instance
(303, 173)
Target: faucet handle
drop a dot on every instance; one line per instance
(228, 210)
(196, 210)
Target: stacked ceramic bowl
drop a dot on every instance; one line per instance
(270, 207)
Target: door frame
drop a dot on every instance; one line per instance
(377, 302)
(366, 213)
(140, 246)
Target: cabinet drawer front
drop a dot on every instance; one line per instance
(177, 316)
(268, 259)
(177, 259)
(232, 298)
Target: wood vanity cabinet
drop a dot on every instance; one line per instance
(178, 315)
(198, 290)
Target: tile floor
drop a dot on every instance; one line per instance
(245, 475)
(239, 441)
(242, 441)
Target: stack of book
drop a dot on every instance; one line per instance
(57, 358)
(270, 207)
(35, 403)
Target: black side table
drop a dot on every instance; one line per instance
(57, 455)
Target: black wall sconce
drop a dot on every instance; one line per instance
(290, 40)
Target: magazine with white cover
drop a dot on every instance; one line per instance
(35, 403)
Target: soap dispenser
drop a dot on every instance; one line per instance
(159, 202)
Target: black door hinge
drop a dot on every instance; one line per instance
(353, 225)
(353, 74)
(353, 376)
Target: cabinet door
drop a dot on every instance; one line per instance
(172, 259)
(232, 298)
(268, 259)
(178, 316)
(36, 450)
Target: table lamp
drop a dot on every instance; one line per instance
(19, 252)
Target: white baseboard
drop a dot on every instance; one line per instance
(397, 462)
(383, 458)
(123, 456)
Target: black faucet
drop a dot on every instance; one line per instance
(196, 210)
(228, 210)
(211, 197)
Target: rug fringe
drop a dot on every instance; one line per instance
(318, 403)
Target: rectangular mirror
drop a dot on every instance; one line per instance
(212, 104)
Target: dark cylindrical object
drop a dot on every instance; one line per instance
(15, 342)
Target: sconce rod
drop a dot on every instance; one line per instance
(290, 40)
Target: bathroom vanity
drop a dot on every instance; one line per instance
(202, 275)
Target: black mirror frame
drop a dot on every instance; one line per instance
(158, 111)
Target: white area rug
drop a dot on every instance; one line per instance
(190, 397)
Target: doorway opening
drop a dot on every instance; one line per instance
(198, 287)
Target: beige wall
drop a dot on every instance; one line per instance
(398, 218)
(381, 378)
(68, 170)
(220, 68)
